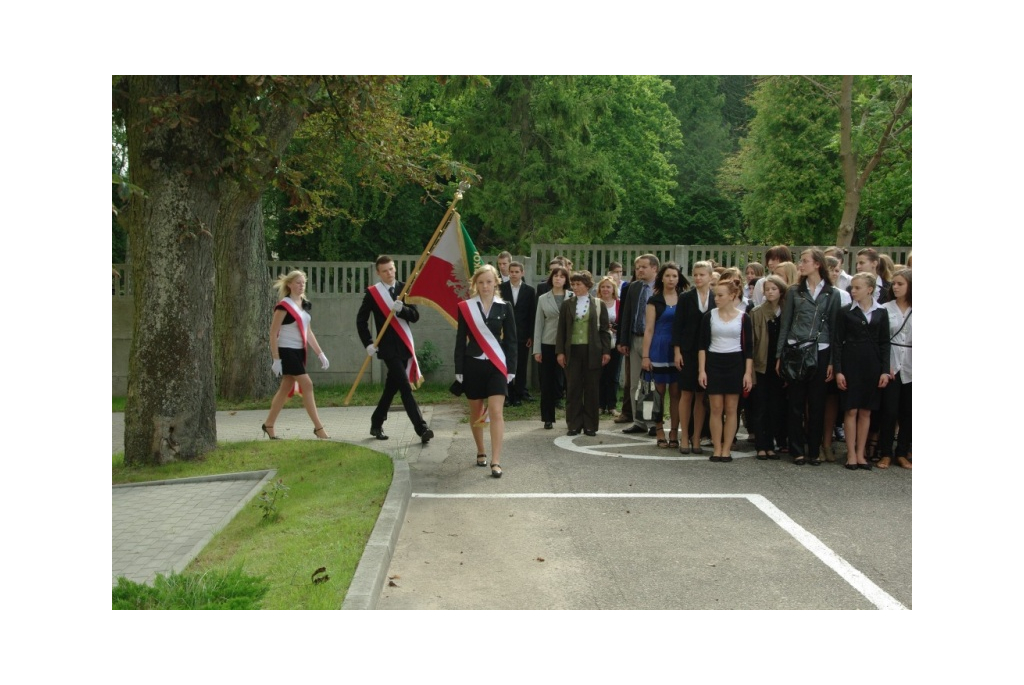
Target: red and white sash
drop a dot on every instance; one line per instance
(482, 334)
(383, 298)
(289, 306)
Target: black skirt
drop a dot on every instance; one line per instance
(688, 374)
(725, 372)
(481, 379)
(293, 361)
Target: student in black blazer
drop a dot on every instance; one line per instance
(523, 299)
(392, 351)
(693, 304)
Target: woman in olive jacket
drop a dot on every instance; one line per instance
(809, 317)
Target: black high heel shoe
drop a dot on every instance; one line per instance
(265, 427)
(316, 432)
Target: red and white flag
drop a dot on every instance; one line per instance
(443, 280)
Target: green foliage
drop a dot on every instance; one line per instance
(561, 157)
(215, 589)
(429, 358)
(788, 172)
(788, 166)
(266, 501)
(702, 212)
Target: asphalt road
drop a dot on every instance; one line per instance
(613, 522)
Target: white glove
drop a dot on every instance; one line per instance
(397, 306)
(324, 364)
(511, 377)
(276, 367)
(371, 350)
(458, 377)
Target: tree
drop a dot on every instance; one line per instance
(170, 410)
(559, 155)
(702, 213)
(786, 172)
(812, 154)
(886, 107)
(204, 149)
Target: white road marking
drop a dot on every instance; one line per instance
(861, 583)
(567, 442)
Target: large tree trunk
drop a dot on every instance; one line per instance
(244, 298)
(848, 159)
(170, 411)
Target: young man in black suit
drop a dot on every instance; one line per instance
(523, 299)
(396, 350)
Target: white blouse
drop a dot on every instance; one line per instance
(900, 345)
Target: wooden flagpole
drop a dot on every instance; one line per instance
(415, 272)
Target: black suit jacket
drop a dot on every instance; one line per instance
(627, 313)
(391, 346)
(500, 321)
(686, 325)
(525, 309)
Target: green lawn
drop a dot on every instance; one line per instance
(335, 492)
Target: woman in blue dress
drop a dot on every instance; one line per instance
(658, 354)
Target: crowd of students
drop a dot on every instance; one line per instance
(788, 344)
(722, 344)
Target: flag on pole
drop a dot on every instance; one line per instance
(443, 279)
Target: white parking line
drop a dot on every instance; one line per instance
(567, 442)
(861, 583)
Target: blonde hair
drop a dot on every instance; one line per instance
(480, 271)
(870, 279)
(885, 267)
(731, 283)
(610, 281)
(702, 265)
(283, 281)
(789, 268)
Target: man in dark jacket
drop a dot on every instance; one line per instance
(397, 349)
(631, 330)
(523, 299)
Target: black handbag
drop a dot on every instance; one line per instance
(649, 400)
(799, 363)
(800, 359)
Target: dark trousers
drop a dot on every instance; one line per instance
(398, 382)
(609, 390)
(582, 388)
(517, 388)
(896, 397)
(550, 393)
(768, 411)
(808, 395)
(627, 389)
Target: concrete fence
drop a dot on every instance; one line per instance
(336, 290)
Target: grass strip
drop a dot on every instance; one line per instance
(335, 492)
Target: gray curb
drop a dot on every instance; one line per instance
(368, 581)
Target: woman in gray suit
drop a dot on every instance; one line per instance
(545, 330)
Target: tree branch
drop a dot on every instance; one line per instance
(886, 136)
(830, 94)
